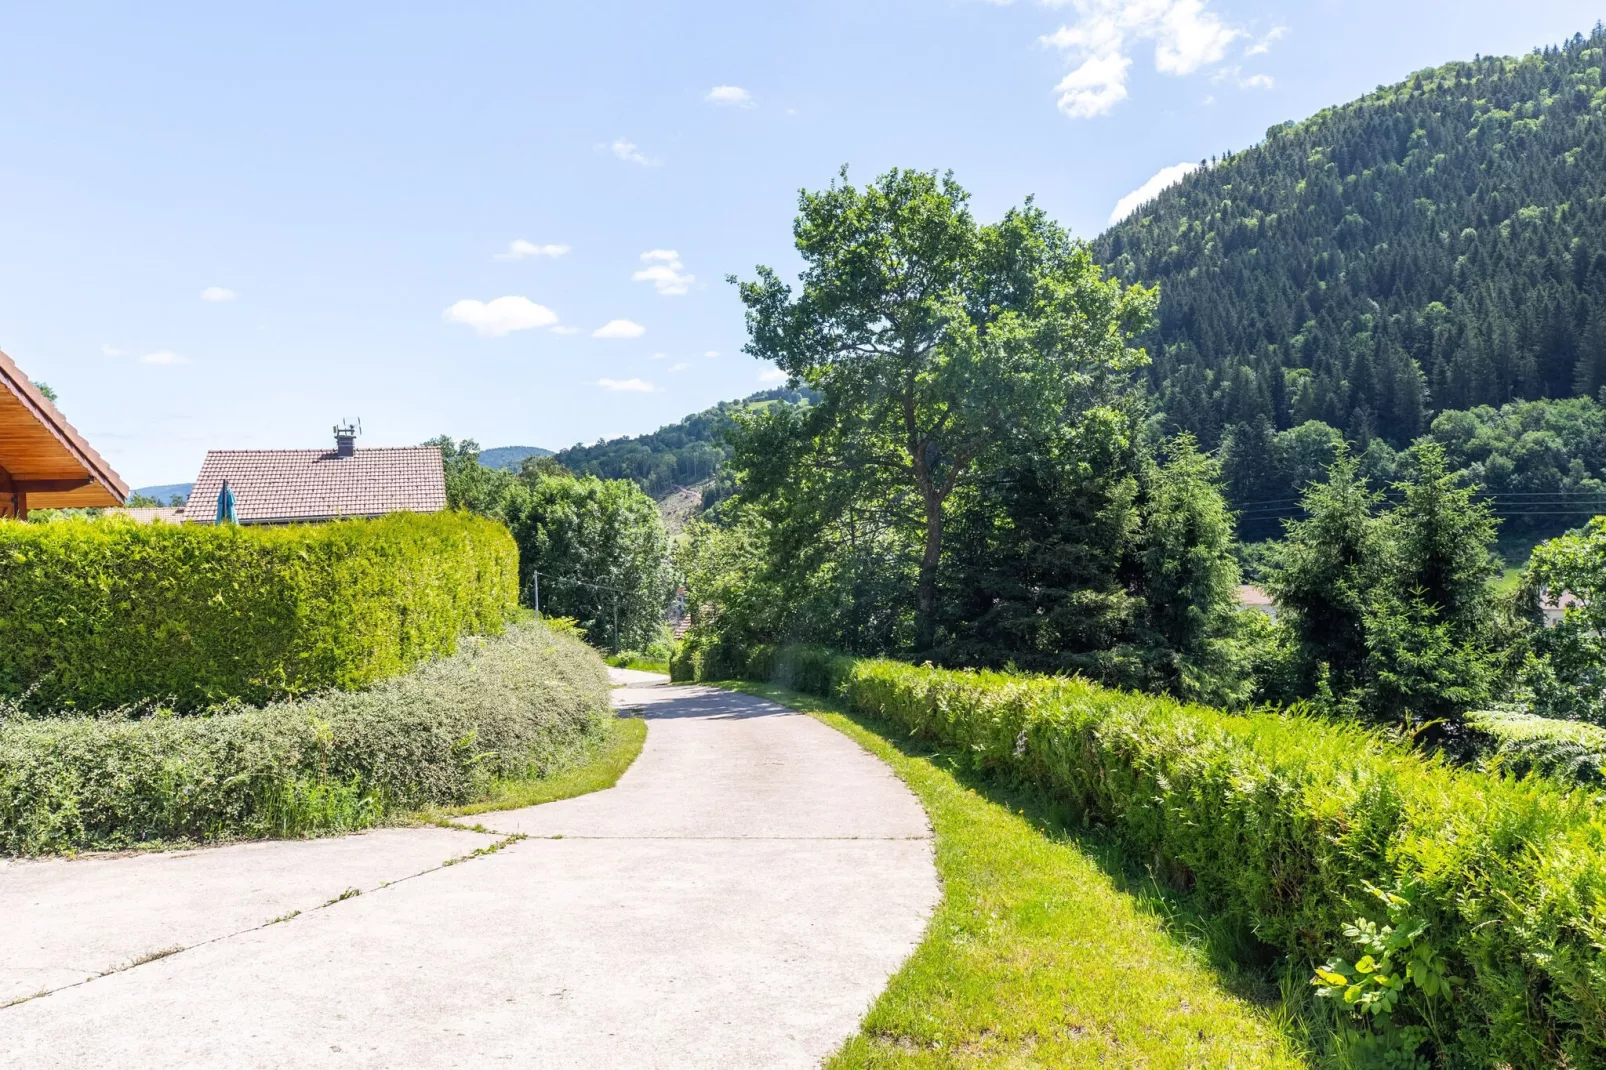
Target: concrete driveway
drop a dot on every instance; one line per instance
(736, 901)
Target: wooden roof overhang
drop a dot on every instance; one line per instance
(44, 462)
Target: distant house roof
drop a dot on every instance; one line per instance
(1250, 595)
(289, 486)
(147, 514)
(42, 457)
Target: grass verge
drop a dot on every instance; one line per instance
(620, 745)
(1044, 951)
(631, 661)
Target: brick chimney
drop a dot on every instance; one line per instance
(346, 440)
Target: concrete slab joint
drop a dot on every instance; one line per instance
(737, 900)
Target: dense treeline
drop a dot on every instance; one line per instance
(1542, 465)
(1438, 244)
(591, 549)
(680, 454)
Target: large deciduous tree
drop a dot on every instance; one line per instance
(933, 338)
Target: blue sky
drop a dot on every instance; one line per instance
(233, 229)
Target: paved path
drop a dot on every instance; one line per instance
(737, 901)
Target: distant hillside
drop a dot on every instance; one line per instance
(510, 457)
(166, 491)
(678, 455)
(1438, 244)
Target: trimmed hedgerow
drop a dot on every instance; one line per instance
(1281, 821)
(104, 612)
(510, 707)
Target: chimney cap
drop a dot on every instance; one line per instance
(346, 438)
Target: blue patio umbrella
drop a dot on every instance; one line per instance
(225, 505)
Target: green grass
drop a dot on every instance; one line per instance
(639, 663)
(1510, 577)
(1046, 949)
(602, 769)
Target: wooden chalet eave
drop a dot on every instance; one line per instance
(44, 462)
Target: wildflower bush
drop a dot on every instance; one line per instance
(1462, 908)
(515, 706)
(104, 612)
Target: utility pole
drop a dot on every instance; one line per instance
(537, 595)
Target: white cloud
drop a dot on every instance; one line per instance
(659, 356)
(731, 96)
(494, 319)
(217, 293)
(711, 353)
(630, 153)
(519, 249)
(619, 329)
(682, 366)
(162, 356)
(1094, 88)
(1166, 176)
(772, 375)
(1191, 37)
(1262, 46)
(1186, 35)
(665, 271)
(565, 329)
(1242, 81)
(112, 351)
(629, 386)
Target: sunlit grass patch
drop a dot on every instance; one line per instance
(1040, 954)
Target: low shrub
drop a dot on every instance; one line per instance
(1289, 827)
(514, 706)
(104, 612)
(1521, 743)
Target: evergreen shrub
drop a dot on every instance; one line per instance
(1280, 822)
(104, 612)
(514, 706)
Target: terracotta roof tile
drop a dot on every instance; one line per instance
(282, 486)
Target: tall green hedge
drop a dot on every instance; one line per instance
(105, 612)
(517, 705)
(1280, 821)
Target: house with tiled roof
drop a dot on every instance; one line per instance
(44, 462)
(307, 486)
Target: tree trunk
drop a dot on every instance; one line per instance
(926, 589)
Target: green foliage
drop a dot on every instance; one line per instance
(1279, 822)
(1436, 243)
(514, 706)
(1513, 742)
(105, 612)
(599, 545)
(931, 338)
(1091, 554)
(602, 553)
(1399, 963)
(1325, 573)
(1541, 465)
(1392, 614)
(688, 452)
(1565, 677)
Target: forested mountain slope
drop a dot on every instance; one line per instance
(1437, 244)
(677, 455)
